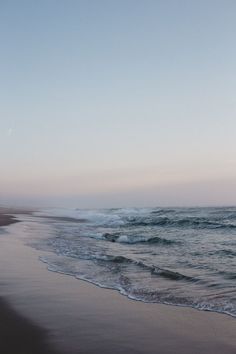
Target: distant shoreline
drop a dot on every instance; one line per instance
(7, 215)
(6, 219)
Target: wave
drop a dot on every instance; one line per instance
(177, 256)
(229, 275)
(116, 237)
(194, 222)
(225, 252)
(163, 211)
(172, 275)
(94, 217)
(64, 219)
(154, 270)
(128, 217)
(115, 259)
(148, 295)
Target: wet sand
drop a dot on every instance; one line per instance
(7, 215)
(78, 317)
(19, 335)
(6, 220)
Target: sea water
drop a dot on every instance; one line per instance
(177, 256)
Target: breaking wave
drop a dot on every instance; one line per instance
(137, 239)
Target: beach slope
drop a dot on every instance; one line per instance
(78, 317)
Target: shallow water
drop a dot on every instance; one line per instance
(181, 256)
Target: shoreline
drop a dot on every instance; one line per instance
(18, 334)
(80, 317)
(7, 215)
(6, 220)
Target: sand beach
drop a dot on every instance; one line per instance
(47, 312)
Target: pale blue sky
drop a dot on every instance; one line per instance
(106, 103)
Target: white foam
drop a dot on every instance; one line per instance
(96, 217)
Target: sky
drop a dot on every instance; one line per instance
(107, 103)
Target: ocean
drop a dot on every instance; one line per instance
(176, 256)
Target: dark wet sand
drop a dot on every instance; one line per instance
(18, 335)
(6, 220)
(78, 317)
(6, 215)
